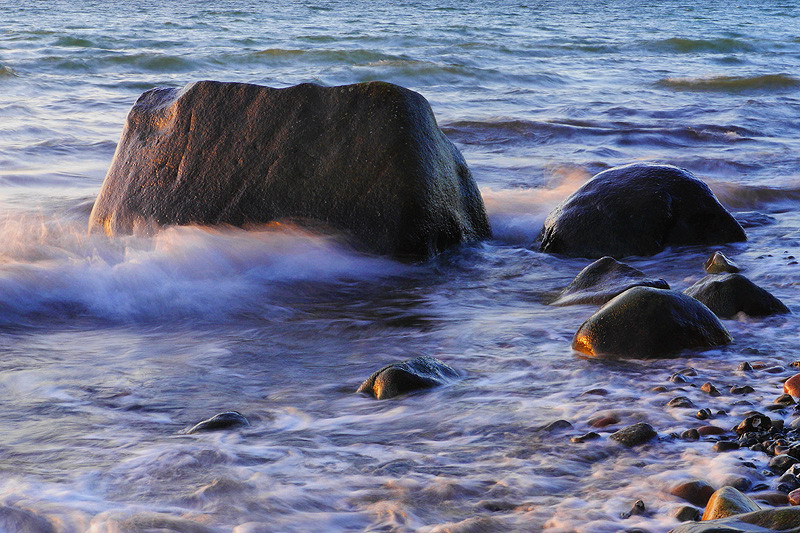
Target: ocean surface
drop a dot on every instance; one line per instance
(109, 349)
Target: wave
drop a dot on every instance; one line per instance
(74, 42)
(142, 61)
(355, 55)
(51, 269)
(733, 84)
(740, 196)
(690, 46)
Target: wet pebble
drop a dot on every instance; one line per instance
(697, 492)
(794, 497)
(690, 434)
(705, 431)
(704, 414)
(725, 446)
(686, 513)
(745, 367)
(785, 399)
(746, 389)
(710, 389)
(757, 422)
(558, 425)
(603, 421)
(680, 401)
(781, 463)
(634, 435)
(792, 386)
(585, 437)
(637, 509)
(226, 420)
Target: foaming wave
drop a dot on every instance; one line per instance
(690, 46)
(733, 84)
(517, 215)
(53, 269)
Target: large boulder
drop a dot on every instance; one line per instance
(729, 294)
(408, 376)
(604, 279)
(367, 159)
(647, 322)
(638, 209)
(726, 502)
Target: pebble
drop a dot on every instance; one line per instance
(659, 388)
(637, 509)
(770, 497)
(745, 367)
(753, 423)
(697, 492)
(635, 434)
(603, 421)
(595, 392)
(792, 386)
(686, 513)
(558, 425)
(781, 463)
(586, 437)
(678, 378)
(704, 414)
(220, 421)
(794, 497)
(746, 389)
(785, 399)
(725, 446)
(717, 263)
(710, 430)
(690, 434)
(710, 389)
(680, 401)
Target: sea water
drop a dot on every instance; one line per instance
(112, 347)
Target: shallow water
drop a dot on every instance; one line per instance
(111, 348)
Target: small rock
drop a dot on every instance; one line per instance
(705, 431)
(690, 434)
(747, 389)
(785, 399)
(226, 420)
(728, 501)
(745, 367)
(718, 263)
(729, 294)
(704, 414)
(781, 463)
(794, 497)
(585, 437)
(659, 388)
(637, 509)
(558, 425)
(635, 434)
(790, 481)
(753, 423)
(740, 483)
(680, 401)
(770, 497)
(710, 389)
(408, 376)
(496, 506)
(725, 446)
(686, 513)
(595, 392)
(697, 492)
(792, 386)
(678, 378)
(603, 421)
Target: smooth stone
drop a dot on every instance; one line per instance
(740, 483)
(558, 425)
(745, 367)
(725, 446)
(638, 508)
(710, 389)
(634, 435)
(754, 219)
(794, 497)
(754, 423)
(697, 492)
(781, 463)
(603, 280)
(785, 399)
(400, 378)
(690, 434)
(792, 386)
(585, 437)
(647, 322)
(710, 430)
(729, 294)
(367, 160)
(638, 209)
(686, 513)
(781, 520)
(603, 421)
(728, 501)
(226, 420)
(680, 401)
(746, 389)
(769, 497)
(718, 264)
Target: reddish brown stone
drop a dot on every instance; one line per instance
(792, 386)
(696, 492)
(710, 430)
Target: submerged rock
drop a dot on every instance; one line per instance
(408, 376)
(367, 159)
(638, 209)
(647, 322)
(728, 501)
(635, 434)
(226, 420)
(718, 264)
(783, 520)
(603, 280)
(729, 294)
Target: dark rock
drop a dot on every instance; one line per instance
(604, 279)
(781, 520)
(638, 209)
(697, 492)
(686, 513)
(595, 392)
(497, 506)
(647, 322)
(680, 401)
(790, 481)
(725, 446)
(706, 431)
(226, 420)
(781, 463)
(678, 378)
(408, 376)
(746, 389)
(770, 497)
(704, 414)
(603, 421)
(792, 386)
(785, 399)
(754, 423)
(637, 509)
(710, 389)
(745, 367)
(729, 294)
(635, 434)
(690, 434)
(718, 264)
(739, 483)
(586, 437)
(367, 159)
(558, 425)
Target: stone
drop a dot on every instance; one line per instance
(647, 322)
(728, 501)
(781, 520)
(638, 508)
(558, 425)
(686, 513)
(757, 423)
(781, 463)
(149, 522)
(604, 279)
(785, 399)
(792, 386)
(729, 294)
(226, 420)
(680, 401)
(745, 367)
(603, 421)
(366, 160)
(725, 446)
(638, 209)
(769, 497)
(745, 389)
(690, 434)
(634, 435)
(718, 264)
(407, 376)
(794, 497)
(585, 437)
(697, 492)
(705, 431)
(710, 389)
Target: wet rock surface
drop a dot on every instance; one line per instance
(634, 435)
(221, 421)
(729, 294)
(646, 322)
(719, 264)
(603, 280)
(409, 376)
(785, 520)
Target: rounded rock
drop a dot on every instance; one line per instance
(634, 435)
(728, 501)
(718, 264)
(408, 376)
(729, 294)
(697, 492)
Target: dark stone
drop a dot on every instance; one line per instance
(226, 420)
(604, 279)
(635, 434)
(781, 520)
(745, 389)
(647, 322)
(678, 378)
(586, 437)
(690, 434)
(710, 389)
(729, 294)
(697, 492)
(686, 513)
(781, 463)
(785, 399)
(408, 376)
(638, 209)
(754, 423)
(718, 264)
(558, 425)
(637, 509)
(366, 159)
(754, 219)
(725, 446)
(595, 392)
(745, 367)
(680, 401)
(704, 414)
